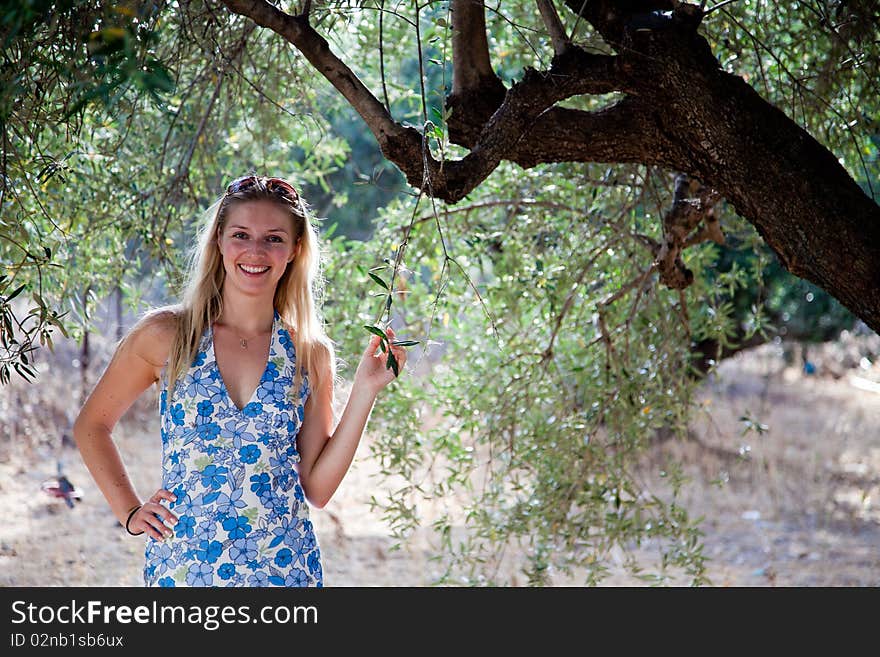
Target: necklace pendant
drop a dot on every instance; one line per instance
(243, 343)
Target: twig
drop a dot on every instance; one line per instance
(382, 56)
(718, 6)
(548, 352)
(421, 67)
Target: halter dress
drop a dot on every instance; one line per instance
(243, 518)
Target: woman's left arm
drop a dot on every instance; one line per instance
(325, 453)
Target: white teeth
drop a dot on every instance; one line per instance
(250, 269)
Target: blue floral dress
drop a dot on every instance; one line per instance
(244, 520)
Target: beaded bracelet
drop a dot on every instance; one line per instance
(130, 515)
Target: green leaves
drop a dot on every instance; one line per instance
(391, 361)
(375, 330)
(542, 246)
(379, 281)
(18, 335)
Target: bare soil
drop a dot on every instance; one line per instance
(784, 467)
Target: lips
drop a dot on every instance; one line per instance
(253, 270)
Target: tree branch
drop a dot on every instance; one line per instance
(554, 26)
(471, 67)
(684, 113)
(626, 131)
(476, 90)
(574, 73)
(609, 17)
(691, 203)
(297, 31)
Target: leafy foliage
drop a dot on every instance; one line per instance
(554, 355)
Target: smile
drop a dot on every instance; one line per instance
(253, 269)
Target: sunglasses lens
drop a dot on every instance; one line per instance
(239, 184)
(272, 185)
(276, 184)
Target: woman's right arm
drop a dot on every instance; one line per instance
(135, 366)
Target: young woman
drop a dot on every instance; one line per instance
(246, 376)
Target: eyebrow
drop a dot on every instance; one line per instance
(271, 230)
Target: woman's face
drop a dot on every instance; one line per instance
(257, 245)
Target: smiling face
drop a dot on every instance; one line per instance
(257, 243)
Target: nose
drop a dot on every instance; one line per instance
(257, 247)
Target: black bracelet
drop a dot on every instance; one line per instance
(130, 515)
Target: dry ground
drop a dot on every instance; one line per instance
(795, 505)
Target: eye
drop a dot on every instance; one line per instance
(275, 238)
(240, 235)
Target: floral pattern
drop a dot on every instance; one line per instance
(243, 516)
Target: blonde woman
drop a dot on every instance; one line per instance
(246, 375)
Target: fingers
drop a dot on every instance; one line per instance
(373, 346)
(152, 516)
(375, 340)
(398, 351)
(153, 525)
(163, 494)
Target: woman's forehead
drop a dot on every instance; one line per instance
(263, 215)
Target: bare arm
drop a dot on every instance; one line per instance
(134, 367)
(325, 453)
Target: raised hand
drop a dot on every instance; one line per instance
(373, 370)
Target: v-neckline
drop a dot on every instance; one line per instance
(262, 376)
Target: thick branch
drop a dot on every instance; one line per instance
(610, 17)
(476, 90)
(471, 67)
(554, 26)
(574, 73)
(688, 115)
(626, 131)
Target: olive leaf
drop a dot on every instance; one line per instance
(378, 280)
(376, 331)
(392, 363)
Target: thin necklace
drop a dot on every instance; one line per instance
(243, 342)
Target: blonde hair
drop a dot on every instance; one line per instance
(297, 295)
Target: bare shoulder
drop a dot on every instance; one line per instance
(151, 337)
(136, 365)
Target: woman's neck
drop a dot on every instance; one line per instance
(246, 315)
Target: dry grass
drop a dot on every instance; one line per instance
(797, 504)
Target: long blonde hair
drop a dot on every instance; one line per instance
(297, 295)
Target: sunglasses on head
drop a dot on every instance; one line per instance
(272, 185)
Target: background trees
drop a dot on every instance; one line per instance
(558, 269)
